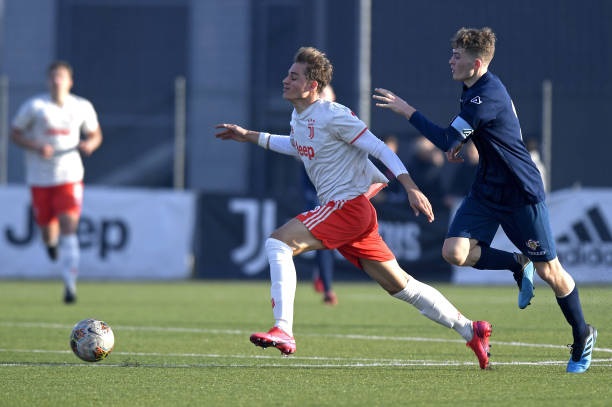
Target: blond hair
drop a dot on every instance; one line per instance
(479, 43)
(318, 66)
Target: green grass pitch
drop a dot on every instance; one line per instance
(186, 344)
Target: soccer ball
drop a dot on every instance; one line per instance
(92, 340)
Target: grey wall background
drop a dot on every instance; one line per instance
(234, 54)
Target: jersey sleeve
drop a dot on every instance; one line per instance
(347, 126)
(281, 144)
(24, 116)
(462, 127)
(475, 114)
(90, 117)
(443, 138)
(371, 144)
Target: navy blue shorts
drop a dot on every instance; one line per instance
(527, 227)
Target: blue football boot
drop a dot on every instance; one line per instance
(524, 280)
(581, 353)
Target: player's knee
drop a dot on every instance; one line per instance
(392, 287)
(453, 254)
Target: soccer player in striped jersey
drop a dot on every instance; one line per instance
(508, 189)
(333, 144)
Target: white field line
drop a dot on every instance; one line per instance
(323, 362)
(341, 362)
(46, 325)
(407, 363)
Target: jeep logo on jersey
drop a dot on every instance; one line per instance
(306, 151)
(57, 132)
(476, 100)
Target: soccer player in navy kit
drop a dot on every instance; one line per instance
(508, 189)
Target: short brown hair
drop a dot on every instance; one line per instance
(59, 64)
(479, 43)
(318, 66)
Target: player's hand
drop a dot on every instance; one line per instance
(389, 100)
(420, 204)
(46, 151)
(86, 147)
(232, 132)
(452, 155)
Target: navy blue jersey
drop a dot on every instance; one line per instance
(506, 174)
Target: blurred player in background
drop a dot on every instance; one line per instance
(333, 145)
(49, 128)
(533, 146)
(459, 181)
(394, 191)
(507, 191)
(426, 167)
(324, 272)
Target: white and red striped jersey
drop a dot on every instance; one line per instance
(323, 136)
(41, 119)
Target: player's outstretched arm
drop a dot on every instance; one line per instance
(444, 139)
(389, 100)
(418, 201)
(237, 133)
(274, 142)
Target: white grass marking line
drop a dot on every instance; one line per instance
(117, 328)
(276, 356)
(286, 365)
(318, 362)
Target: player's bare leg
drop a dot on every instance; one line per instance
(461, 251)
(553, 273)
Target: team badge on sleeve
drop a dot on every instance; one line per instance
(462, 127)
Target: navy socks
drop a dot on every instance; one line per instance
(572, 310)
(494, 259)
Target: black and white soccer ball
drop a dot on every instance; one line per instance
(92, 340)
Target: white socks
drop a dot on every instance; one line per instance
(431, 303)
(69, 259)
(284, 281)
